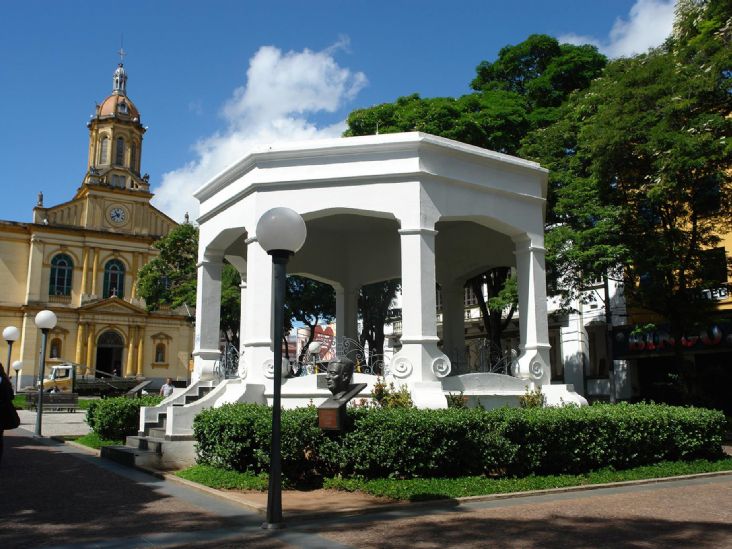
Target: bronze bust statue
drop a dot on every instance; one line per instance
(338, 376)
(332, 412)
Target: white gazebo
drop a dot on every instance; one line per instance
(413, 206)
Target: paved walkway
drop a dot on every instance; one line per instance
(54, 495)
(56, 423)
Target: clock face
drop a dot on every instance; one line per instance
(117, 215)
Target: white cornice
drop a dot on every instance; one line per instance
(368, 145)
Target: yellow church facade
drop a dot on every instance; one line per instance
(81, 259)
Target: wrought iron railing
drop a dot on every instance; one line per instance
(365, 361)
(227, 367)
(482, 355)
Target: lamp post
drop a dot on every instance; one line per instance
(281, 232)
(45, 321)
(10, 335)
(17, 366)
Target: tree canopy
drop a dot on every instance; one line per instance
(309, 302)
(170, 279)
(640, 169)
(516, 93)
(522, 90)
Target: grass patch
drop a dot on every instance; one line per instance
(19, 402)
(84, 403)
(441, 488)
(224, 478)
(92, 440)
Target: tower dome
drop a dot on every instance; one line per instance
(115, 140)
(118, 104)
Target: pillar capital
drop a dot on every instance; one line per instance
(525, 243)
(208, 261)
(418, 230)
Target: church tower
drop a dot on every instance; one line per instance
(81, 259)
(115, 140)
(113, 195)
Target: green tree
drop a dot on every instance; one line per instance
(543, 71)
(522, 90)
(498, 309)
(170, 279)
(374, 301)
(641, 170)
(309, 302)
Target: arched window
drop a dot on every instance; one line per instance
(104, 151)
(133, 157)
(119, 152)
(160, 352)
(55, 351)
(114, 279)
(61, 270)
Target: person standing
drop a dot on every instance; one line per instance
(167, 389)
(8, 416)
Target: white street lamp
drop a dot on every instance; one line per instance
(11, 334)
(45, 321)
(281, 232)
(17, 366)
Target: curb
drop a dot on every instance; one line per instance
(588, 487)
(77, 446)
(261, 509)
(398, 505)
(444, 502)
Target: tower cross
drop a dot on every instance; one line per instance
(122, 54)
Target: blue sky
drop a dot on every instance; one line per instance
(211, 79)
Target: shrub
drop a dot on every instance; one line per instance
(408, 442)
(456, 400)
(116, 418)
(238, 436)
(532, 399)
(388, 396)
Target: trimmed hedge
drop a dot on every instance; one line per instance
(408, 443)
(118, 417)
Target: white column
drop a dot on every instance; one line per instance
(34, 284)
(453, 320)
(242, 322)
(575, 349)
(346, 315)
(533, 362)
(419, 359)
(208, 315)
(256, 363)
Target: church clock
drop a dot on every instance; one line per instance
(117, 215)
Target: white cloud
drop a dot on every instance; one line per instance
(649, 23)
(282, 90)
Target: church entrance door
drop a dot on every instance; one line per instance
(109, 354)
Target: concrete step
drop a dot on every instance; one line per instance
(130, 457)
(202, 392)
(146, 443)
(153, 453)
(160, 424)
(156, 432)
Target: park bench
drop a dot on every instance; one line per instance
(53, 402)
